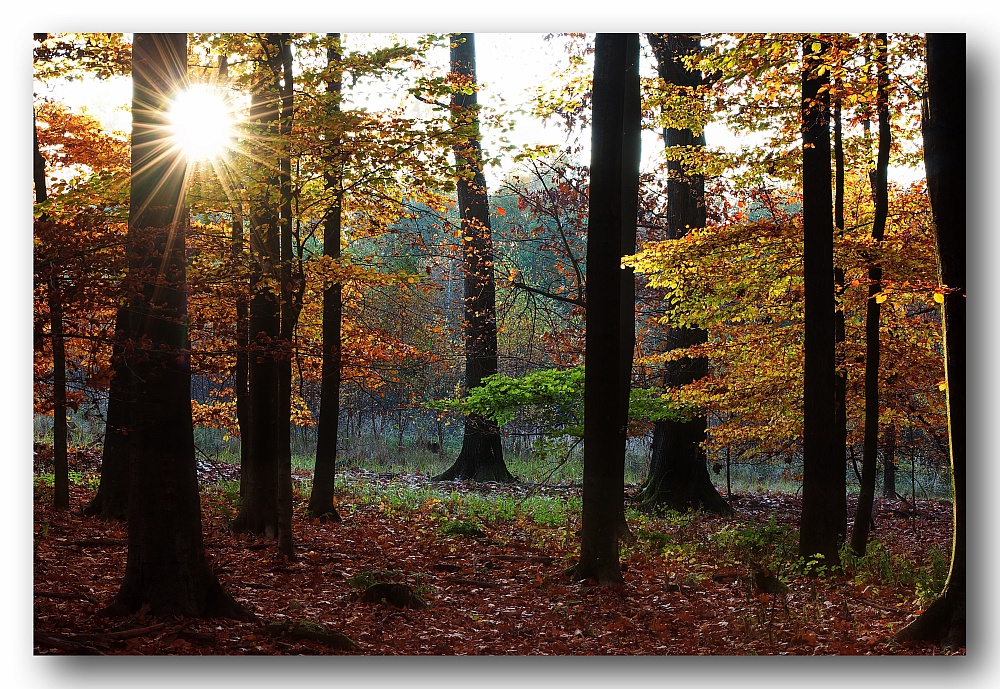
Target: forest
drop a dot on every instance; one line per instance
(341, 347)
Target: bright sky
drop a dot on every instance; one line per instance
(509, 66)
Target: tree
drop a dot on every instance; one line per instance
(79, 247)
(292, 287)
(678, 472)
(880, 192)
(167, 571)
(612, 216)
(824, 506)
(321, 500)
(944, 159)
(261, 466)
(60, 491)
(481, 457)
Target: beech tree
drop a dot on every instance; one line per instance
(614, 173)
(321, 499)
(481, 457)
(261, 466)
(678, 471)
(60, 489)
(167, 571)
(943, 127)
(880, 192)
(824, 501)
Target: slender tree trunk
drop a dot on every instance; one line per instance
(167, 572)
(291, 299)
(240, 367)
(880, 189)
(678, 470)
(111, 500)
(481, 457)
(944, 158)
(840, 334)
(321, 500)
(60, 493)
(889, 463)
(824, 500)
(613, 165)
(261, 466)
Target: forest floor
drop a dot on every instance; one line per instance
(497, 586)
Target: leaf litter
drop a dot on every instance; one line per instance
(503, 593)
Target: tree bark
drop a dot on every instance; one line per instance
(167, 571)
(261, 466)
(321, 500)
(60, 492)
(880, 189)
(614, 162)
(292, 285)
(481, 457)
(111, 500)
(824, 498)
(889, 463)
(840, 330)
(678, 470)
(241, 392)
(943, 126)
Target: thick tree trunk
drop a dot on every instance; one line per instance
(613, 163)
(678, 471)
(167, 572)
(880, 189)
(824, 498)
(944, 158)
(321, 500)
(261, 466)
(481, 457)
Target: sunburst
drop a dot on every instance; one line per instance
(201, 123)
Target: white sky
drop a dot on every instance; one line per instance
(509, 67)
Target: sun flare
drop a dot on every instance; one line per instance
(201, 122)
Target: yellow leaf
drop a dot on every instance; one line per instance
(938, 297)
(817, 46)
(881, 297)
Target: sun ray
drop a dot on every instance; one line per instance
(201, 122)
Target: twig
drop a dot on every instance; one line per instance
(544, 559)
(472, 582)
(53, 641)
(65, 595)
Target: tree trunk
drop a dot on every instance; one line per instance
(880, 189)
(167, 572)
(292, 284)
(889, 463)
(944, 158)
(111, 500)
(840, 330)
(481, 457)
(824, 497)
(240, 366)
(678, 470)
(613, 165)
(261, 466)
(321, 500)
(60, 492)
